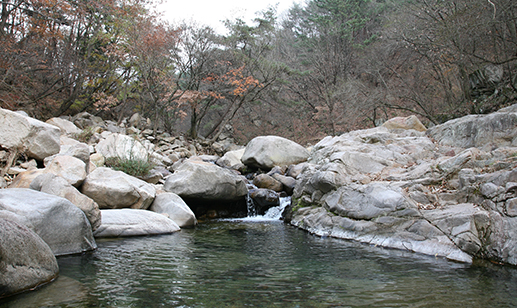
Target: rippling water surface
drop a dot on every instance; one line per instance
(265, 264)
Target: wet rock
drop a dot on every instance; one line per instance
(288, 183)
(264, 199)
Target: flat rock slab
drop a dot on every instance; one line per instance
(132, 222)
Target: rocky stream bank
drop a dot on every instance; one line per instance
(449, 191)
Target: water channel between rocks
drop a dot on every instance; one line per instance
(262, 262)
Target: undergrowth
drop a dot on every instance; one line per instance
(134, 167)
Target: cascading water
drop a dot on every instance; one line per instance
(273, 213)
(252, 209)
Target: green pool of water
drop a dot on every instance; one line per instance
(265, 264)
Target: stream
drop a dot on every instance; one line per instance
(262, 262)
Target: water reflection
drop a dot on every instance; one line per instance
(257, 264)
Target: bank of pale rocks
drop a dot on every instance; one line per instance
(450, 191)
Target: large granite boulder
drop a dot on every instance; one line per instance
(26, 261)
(113, 189)
(122, 146)
(35, 138)
(268, 151)
(58, 186)
(62, 225)
(132, 222)
(206, 181)
(175, 208)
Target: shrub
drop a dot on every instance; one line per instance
(85, 135)
(134, 167)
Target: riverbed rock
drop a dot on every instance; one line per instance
(66, 127)
(113, 189)
(175, 208)
(267, 182)
(206, 181)
(268, 151)
(122, 146)
(62, 225)
(70, 168)
(497, 129)
(264, 199)
(133, 222)
(58, 186)
(25, 178)
(231, 159)
(411, 122)
(33, 137)
(404, 232)
(26, 261)
(288, 183)
(449, 192)
(74, 148)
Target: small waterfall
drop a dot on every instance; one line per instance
(252, 210)
(275, 213)
(272, 214)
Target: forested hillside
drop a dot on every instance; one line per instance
(326, 67)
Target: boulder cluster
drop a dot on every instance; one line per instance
(61, 193)
(448, 191)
